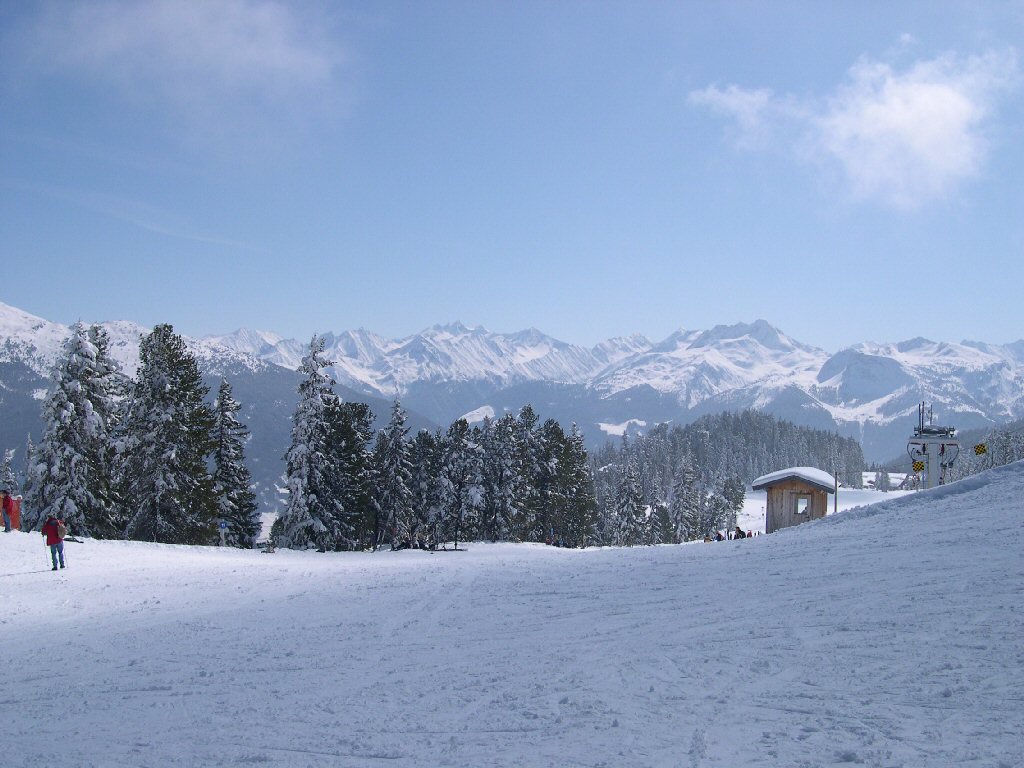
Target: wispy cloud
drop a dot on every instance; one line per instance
(754, 111)
(229, 65)
(901, 137)
(140, 214)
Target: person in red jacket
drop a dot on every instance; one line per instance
(52, 530)
(8, 507)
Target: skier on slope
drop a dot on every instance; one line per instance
(54, 531)
(739, 533)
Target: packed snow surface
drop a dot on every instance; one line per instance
(751, 517)
(888, 635)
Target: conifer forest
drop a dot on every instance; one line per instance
(156, 458)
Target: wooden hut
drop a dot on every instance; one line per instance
(795, 495)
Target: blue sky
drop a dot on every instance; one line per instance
(848, 172)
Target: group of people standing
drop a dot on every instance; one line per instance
(730, 535)
(53, 529)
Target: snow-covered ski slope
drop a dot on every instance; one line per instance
(890, 635)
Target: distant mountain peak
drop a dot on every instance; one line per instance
(760, 331)
(530, 334)
(456, 327)
(915, 343)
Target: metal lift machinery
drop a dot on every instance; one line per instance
(932, 449)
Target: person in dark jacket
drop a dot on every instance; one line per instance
(8, 507)
(739, 533)
(52, 531)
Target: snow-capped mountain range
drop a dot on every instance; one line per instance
(36, 342)
(861, 390)
(869, 390)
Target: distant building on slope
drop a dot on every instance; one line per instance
(795, 495)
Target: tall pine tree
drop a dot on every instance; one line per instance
(349, 443)
(629, 507)
(461, 483)
(314, 516)
(71, 474)
(503, 481)
(425, 485)
(686, 508)
(8, 479)
(527, 524)
(168, 439)
(393, 473)
(232, 482)
(577, 519)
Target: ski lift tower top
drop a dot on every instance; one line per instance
(933, 450)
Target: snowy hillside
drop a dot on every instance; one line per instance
(890, 635)
(28, 339)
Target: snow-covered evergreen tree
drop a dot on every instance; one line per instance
(461, 483)
(31, 473)
(349, 442)
(882, 482)
(8, 478)
(576, 524)
(232, 482)
(314, 516)
(425, 485)
(110, 380)
(71, 474)
(657, 526)
(393, 474)
(629, 508)
(474, 491)
(606, 473)
(503, 481)
(167, 441)
(526, 525)
(686, 507)
(716, 515)
(548, 496)
(733, 494)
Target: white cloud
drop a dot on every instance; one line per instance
(912, 137)
(224, 63)
(904, 138)
(753, 111)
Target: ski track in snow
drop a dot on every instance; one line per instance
(884, 636)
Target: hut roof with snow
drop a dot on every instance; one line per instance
(810, 475)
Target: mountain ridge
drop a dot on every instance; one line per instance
(869, 390)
